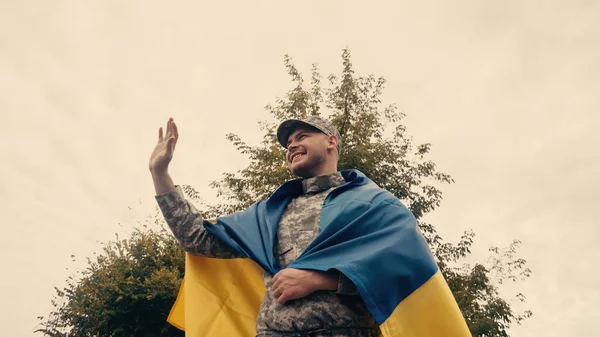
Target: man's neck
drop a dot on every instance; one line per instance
(321, 171)
(322, 182)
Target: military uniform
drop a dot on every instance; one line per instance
(322, 313)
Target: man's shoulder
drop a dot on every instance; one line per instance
(370, 192)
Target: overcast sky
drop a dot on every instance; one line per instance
(506, 91)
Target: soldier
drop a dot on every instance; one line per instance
(297, 302)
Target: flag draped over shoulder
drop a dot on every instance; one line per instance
(365, 233)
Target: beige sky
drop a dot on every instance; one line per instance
(507, 92)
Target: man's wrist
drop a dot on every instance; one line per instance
(159, 172)
(327, 281)
(162, 181)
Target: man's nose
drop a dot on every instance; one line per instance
(290, 149)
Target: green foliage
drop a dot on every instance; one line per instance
(376, 143)
(128, 290)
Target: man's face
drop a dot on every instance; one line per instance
(306, 151)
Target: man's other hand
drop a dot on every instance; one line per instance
(290, 284)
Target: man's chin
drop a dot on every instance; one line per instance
(300, 171)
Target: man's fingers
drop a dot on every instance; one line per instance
(278, 281)
(286, 296)
(281, 298)
(276, 292)
(175, 132)
(168, 134)
(279, 275)
(160, 135)
(171, 144)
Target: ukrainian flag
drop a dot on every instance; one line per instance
(366, 234)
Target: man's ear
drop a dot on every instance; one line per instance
(332, 142)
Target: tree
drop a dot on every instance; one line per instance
(376, 143)
(109, 295)
(128, 290)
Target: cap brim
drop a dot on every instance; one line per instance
(286, 128)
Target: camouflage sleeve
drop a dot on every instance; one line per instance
(187, 226)
(346, 287)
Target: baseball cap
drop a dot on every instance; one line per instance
(286, 128)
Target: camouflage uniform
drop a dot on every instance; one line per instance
(322, 313)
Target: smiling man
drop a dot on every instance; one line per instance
(313, 146)
(339, 254)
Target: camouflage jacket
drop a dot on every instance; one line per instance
(323, 313)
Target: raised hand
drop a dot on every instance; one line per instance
(164, 149)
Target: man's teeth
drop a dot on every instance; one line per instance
(296, 156)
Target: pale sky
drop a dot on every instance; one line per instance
(506, 91)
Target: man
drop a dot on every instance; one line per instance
(296, 300)
(320, 237)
